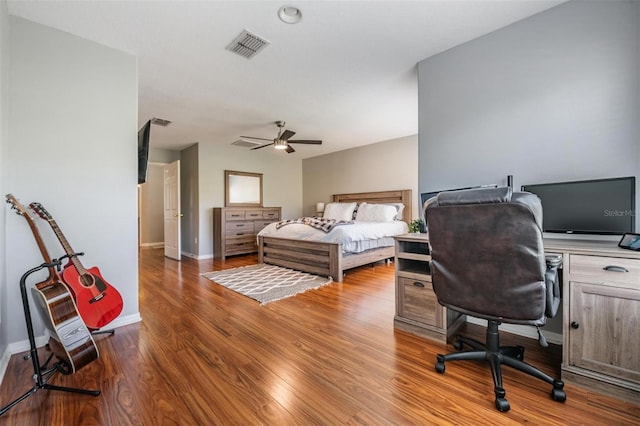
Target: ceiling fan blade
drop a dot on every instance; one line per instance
(290, 149)
(262, 146)
(252, 137)
(308, 142)
(286, 135)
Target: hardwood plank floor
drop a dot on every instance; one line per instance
(206, 355)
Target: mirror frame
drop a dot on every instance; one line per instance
(235, 199)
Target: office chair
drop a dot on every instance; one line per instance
(487, 261)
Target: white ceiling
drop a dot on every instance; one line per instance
(345, 74)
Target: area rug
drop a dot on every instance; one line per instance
(267, 283)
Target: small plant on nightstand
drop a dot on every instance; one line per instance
(415, 226)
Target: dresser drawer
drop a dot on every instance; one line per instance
(605, 270)
(261, 224)
(417, 301)
(240, 245)
(234, 215)
(271, 214)
(253, 214)
(235, 227)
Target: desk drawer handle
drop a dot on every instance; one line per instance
(575, 325)
(614, 268)
(418, 284)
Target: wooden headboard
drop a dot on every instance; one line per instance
(400, 196)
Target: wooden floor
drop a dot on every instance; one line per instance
(206, 355)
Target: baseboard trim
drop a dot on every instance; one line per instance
(153, 245)
(521, 330)
(196, 257)
(23, 345)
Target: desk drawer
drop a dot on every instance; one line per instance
(605, 270)
(417, 301)
(232, 228)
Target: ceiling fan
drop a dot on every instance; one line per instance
(282, 141)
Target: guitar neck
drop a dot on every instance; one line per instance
(53, 274)
(73, 258)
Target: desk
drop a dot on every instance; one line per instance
(601, 306)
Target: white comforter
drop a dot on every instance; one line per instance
(354, 237)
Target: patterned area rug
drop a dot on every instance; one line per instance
(267, 283)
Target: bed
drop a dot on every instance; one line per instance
(329, 258)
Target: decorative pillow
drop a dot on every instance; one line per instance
(339, 211)
(376, 213)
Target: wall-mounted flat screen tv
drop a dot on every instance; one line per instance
(602, 206)
(143, 151)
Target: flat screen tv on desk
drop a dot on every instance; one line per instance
(602, 206)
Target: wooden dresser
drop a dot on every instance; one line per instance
(235, 228)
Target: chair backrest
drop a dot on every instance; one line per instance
(487, 254)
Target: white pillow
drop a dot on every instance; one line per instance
(339, 211)
(376, 213)
(400, 209)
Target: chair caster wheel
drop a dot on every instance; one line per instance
(502, 405)
(440, 364)
(558, 395)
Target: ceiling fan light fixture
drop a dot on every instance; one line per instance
(290, 14)
(279, 144)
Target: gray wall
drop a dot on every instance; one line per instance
(68, 99)
(151, 206)
(189, 201)
(554, 97)
(387, 165)
(4, 140)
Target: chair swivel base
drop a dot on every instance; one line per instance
(498, 356)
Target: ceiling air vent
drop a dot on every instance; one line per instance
(160, 121)
(245, 143)
(247, 44)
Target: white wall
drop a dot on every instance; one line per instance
(382, 166)
(282, 182)
(555, 97)
(72, 147)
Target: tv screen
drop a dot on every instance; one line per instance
(602, 206)
(143, 151)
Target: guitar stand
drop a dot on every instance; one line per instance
(41, 373)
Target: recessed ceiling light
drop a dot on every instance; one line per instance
(290, 14)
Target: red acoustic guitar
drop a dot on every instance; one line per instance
(98, 302)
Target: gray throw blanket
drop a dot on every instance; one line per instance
(320, 223)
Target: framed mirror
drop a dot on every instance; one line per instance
(242, 189)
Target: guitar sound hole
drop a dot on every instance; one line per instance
(87, 280)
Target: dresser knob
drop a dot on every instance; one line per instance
(575, 325)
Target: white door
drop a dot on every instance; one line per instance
(172, 214)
